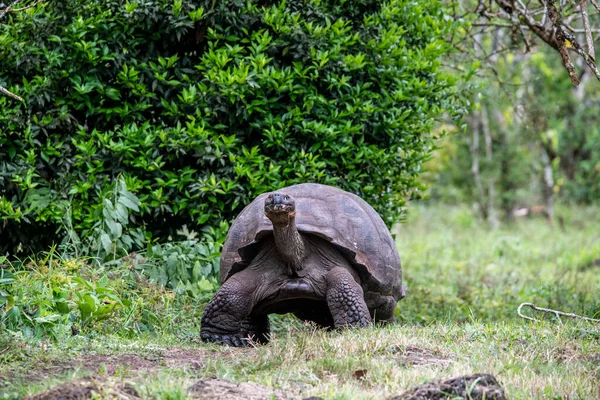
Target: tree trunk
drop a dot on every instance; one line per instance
(491, 182)
(548, 184)
(476, 119)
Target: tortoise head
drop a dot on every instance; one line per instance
(280, 208)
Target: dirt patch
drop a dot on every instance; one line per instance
(117, 364)
(565, 355)
(88, 388)
(121, 364)
(409, 356)
(193, 358)
(593, 358)
(475, 387)
(171, 358)
(220, 389)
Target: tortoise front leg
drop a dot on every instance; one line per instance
(345, 300)
(232, 305)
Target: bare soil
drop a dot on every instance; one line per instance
(121, 364)
(103, 384)
(220, 389)
(204, 389)
(88, 388)
(409, 356)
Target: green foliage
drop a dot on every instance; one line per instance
(458, 269)
(51, 295)
(573, 131)
(189, 266)
(465, 283)
(201, 106)
(534, 109)
(109, 235)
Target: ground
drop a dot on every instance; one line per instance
(530, 360)
(459, 318)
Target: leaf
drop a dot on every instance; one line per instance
(121, 213)
(10, 303)
(203, 219)
(87, 305)
(102, 282)
(115, 228)
(106, 242)
(47, 318)
(130, 201)
(62, 307)
(206, 285)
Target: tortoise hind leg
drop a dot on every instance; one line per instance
(345, 300)
(257, 328)
(223, 316)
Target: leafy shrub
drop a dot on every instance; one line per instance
(202, 105)
(109, 235)
(50, 295)
(185, 265)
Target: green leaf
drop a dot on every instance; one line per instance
(106, 242)
(10, 303)
(130, 201)
(87, 304)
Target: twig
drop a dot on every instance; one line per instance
(579, 50)
(586, 26)
(579, 30)
(488, 24)
(8, 9)
(562, 43)
(595, 4)
(10, 94)
(550, 311)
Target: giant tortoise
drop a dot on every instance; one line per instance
(316, 251)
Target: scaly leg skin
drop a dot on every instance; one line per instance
(345, 300)
(223, 316)
(257, 329)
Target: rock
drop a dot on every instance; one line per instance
(473, 387)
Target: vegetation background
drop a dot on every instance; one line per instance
(144, 127)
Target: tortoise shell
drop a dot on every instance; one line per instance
(340, 217)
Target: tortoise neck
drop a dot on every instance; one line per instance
(289, 243)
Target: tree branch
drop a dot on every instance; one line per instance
(556, 23)
(8, 9)
(10, 94)
(562, 43)
(586, 26)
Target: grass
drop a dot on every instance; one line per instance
(459, 317)
(458, 270)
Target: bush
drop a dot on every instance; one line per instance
(50, 295)
(185, 265)
(201, 106)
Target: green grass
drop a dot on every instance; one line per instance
(459, 317)
(458, 270)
